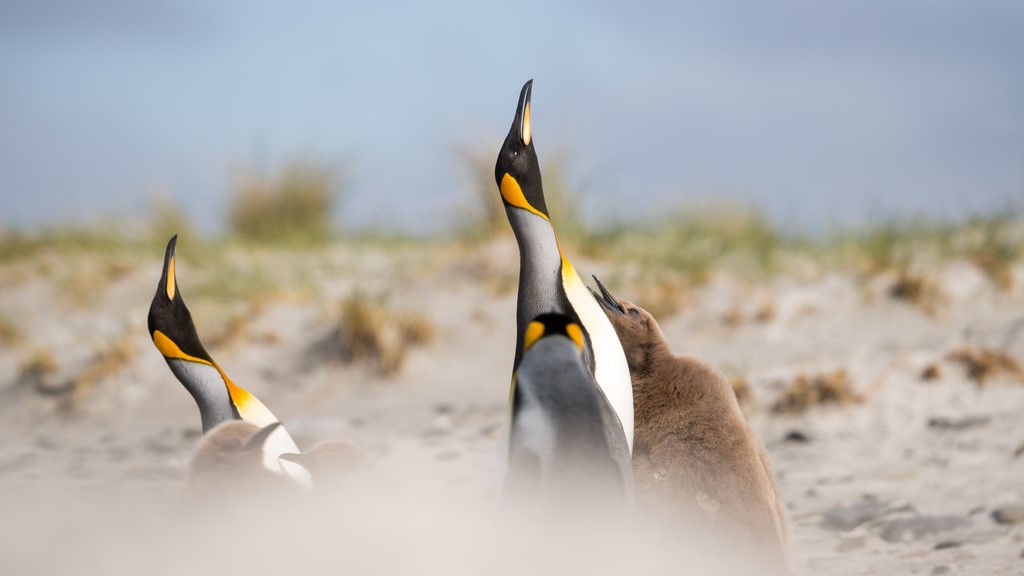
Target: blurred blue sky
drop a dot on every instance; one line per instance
(817, 111)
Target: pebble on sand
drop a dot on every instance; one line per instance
(917, 527)
(848, 517)
(1009, 513)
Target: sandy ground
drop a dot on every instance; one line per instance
(93, 452)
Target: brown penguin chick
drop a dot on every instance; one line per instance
(230, 456)
(332, 460)
(695, 460)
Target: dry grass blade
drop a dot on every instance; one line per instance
(985, 364)
(741, 388)
(931, 372)
(805, 392)
(9, 332)
(372, 334)
(293, 207)
(37, 373)
(917, 289)
(105, 364)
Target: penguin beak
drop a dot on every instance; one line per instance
(605, 298)
(293, 457)
(260, 438)
(522, 121)
(168, 280)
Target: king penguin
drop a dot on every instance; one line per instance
(560, 453)
(219, 399)
(547, 280)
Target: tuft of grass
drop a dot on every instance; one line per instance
(167, 218)
(37, 373)
(931, 372)
(106, 363)
(804, 392)
(69, 239)
(741, 388)
(692, 242)
(227, 281)
(994, 244)
(230, 331)
(10, 334)
(661, 295)
(765, 312)
(563, 196)
(372, 334)
(985, 364)
(482, 215)
(416, 329)
(294, 206)
(733, 317)
(892, 245)
(917, 289)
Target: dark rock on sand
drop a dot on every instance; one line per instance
(796, 436)
(942, 423)
(917, 527)
(850, 516)
(1009, 513)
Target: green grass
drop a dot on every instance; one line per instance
(480, 214)
(694, 241)
(280, 229)
(167, 218)
(18, 245)
(294, 206)
(993, 243)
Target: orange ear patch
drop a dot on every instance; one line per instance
(513, 194)
(575, 333)
(169, 349)
(534, 331)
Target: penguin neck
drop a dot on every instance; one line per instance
(207, 387)
(540, 271)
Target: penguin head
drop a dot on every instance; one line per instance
(552, 324)
(637, 330)
(517, 170)
(331, 460)
(170, 323)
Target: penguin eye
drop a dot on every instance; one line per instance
(633, 313)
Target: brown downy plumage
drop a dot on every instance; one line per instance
(332, 461)
(230, 456)
(696, 462)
